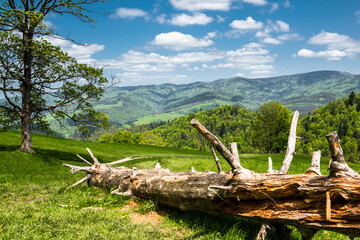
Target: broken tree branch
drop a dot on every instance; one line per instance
(216, 160)
(290, 151)
(338, 165)
(218, 145)
(315, 164)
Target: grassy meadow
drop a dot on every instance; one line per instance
(35, 205)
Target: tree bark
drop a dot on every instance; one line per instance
(26, 88)
(306, 201)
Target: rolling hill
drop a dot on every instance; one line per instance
(128, 106)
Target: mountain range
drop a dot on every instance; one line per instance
(128, 106)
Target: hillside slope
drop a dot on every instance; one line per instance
(305, 92)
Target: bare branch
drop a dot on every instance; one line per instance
(88, 163)
(74, 169)
(338, 165)
(124, 160)
(96, 161)
(314, 168)
(87, 177)
(290, 151)
(216, 160)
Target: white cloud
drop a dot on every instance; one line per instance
(185, 19)
(246, 25)
(333, 40)
(281, 26)
(287, 4)
(179, 41)
(196, 5)
(161, 19)
(253, 45)
(274, 7)
(271, 40)
(129, 13)
(357, 14)
(82, 53)
(273, 28)
(48, 24)
(337, 46)
(136, 66)
(256, 2)
(329, 54)
(290, 36)
(220, 19)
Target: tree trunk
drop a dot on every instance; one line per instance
(26, 88)
(309, 201)
(26, 141)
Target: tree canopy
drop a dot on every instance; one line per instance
(271, 127)
(37, 78)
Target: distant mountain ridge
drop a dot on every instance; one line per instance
(128, 106)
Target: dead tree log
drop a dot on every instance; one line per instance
(306, 201)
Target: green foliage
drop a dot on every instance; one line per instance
(342, 116)
(149, 138)
(121, 137)
(271, 127)
(229, 123)
(37, 78)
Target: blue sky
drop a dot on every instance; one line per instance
(181, 41)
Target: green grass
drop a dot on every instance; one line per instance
(34, 204)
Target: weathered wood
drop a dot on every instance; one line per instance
(315, 164)
(297, 200)
(338, 165)
(218, 145)
(290, 151)
(263, 232)
(216, 160)
(234, 151)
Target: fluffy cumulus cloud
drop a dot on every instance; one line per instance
(185, 19)
(252, 58)
(256, 2)
(135, 66)
(276, 33)
(178, 41)
(129, 13)
(246, 25)
(83, 53)
(337, 46)
(196, 5)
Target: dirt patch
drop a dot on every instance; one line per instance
(151, 217)
(35, 199)
(129, 205)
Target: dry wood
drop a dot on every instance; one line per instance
(290, 151)
(218, 145)
(315, 163)
(216, 160)
(338, 165)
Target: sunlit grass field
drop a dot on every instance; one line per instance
(35, 205)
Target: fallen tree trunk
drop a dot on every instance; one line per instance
(309, 201)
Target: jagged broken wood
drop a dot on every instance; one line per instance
(308, 202)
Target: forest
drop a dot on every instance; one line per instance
(261, 131)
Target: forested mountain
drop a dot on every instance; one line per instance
(128, 106)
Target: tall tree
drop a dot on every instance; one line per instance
(37, 78)
(271, 127)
